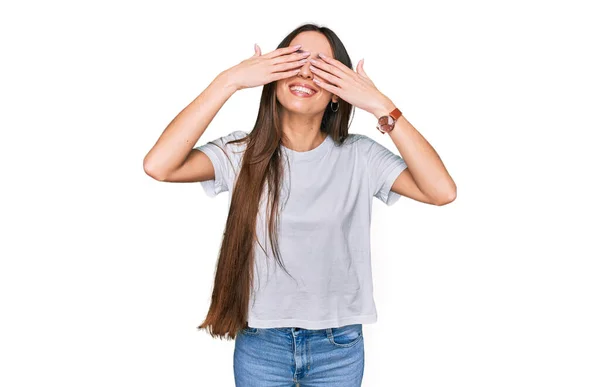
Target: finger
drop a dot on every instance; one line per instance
(256, 50)
(282, 51)
(283, 75)
(289, 65)
(332, 79)
(335, 63)
(324, 66)
(360, 69)
(327, 86)
(290, 57)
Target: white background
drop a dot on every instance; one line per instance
(105, 273)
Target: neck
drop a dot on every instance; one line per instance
(302, 132)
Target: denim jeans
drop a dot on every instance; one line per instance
(294, 357)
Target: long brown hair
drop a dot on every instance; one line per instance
(262, 162)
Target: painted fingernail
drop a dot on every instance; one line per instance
(322, 55)
(313, 60)
(313, 68)
(297, 46)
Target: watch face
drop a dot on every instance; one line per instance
(383, 120)
(386, 120)
(386, 123)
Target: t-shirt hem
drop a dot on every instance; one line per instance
(214, 186)
(390, 197)
(310, 324)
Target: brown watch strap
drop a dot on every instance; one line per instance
(396, 113)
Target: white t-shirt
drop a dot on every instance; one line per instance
(324, 231)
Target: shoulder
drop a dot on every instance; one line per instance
(235, 135)
(371, 151)
(361, 142)
(370, 146)
(224, 149)
(227, 144)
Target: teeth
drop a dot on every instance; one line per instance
(302, 89)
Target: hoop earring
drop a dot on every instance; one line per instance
(337, 105)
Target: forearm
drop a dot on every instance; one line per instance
(424, 163)
(184, 131)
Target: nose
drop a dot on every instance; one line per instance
(305, 71)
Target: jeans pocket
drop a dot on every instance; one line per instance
(250, 331)
(345, 336)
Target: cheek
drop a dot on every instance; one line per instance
(280, 93)
(280, 89)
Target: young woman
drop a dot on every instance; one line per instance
(301, 190)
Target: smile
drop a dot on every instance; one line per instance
(301, 91)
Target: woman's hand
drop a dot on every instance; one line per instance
(262, 69)
(356, 88)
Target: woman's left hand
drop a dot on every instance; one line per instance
(354, 87)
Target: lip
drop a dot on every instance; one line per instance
(303, 85)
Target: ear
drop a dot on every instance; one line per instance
(335, 99)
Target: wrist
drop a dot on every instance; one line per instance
(383, 108)
(225, 81)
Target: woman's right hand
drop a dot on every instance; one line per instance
(262, 69)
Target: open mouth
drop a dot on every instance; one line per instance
(302, 91)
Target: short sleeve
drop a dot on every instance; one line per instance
(384, 166)
(226, 160)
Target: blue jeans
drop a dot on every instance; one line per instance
(294, 357)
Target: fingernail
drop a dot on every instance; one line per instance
(322, 55)
(297, 46)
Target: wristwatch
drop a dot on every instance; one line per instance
(386, 124)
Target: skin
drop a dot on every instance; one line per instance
(301, 117)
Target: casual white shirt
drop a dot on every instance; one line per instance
(324, 233)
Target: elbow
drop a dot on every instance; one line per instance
(449, 200)
(448, 197)
(152, 171)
